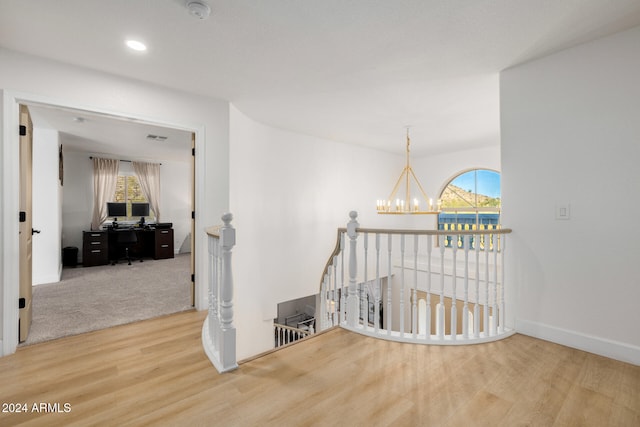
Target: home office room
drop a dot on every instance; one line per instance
(107, 252)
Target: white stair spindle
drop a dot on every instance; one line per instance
(364, 306)
(466, 242)
(502, 239)
(402, 285)
(378, 288)
(486, 288)
(476, 305)
(388, 315)
(414, 299)
(343, 295)
(324, 296)
(494, 307)
(428, 314)
(454, 295)
(335, 297)
(440, 306)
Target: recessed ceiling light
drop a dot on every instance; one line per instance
(136, 45)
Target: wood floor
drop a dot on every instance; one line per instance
(155, 373)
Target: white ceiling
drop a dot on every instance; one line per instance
(355, 71)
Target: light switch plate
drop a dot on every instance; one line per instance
(563, 211)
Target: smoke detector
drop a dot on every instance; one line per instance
(198, 9)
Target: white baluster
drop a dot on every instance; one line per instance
(364, 305)
(466, 241)
(486, 289)
(476, 305)
(454, 295)
(388, 314)
(402, 269)
(378, 288)
(428, 314)
(343, 295)
(324, 296)
(352, 299)
(494, 307)
(503, 239)
(335, 305)
(414, 309)
(440, 306)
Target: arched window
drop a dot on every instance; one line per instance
(471, 200)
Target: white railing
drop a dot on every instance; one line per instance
(407, 285)
(218, 331)
(284, 334)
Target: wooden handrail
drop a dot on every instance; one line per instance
(336, 249)
(431, 232)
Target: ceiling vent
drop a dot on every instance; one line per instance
(156, 137)
(198, 9)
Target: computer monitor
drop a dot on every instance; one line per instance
(141, 210)
(116, 209)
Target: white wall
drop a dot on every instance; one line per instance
(175, 200)
(289, 194)
(77, 198)
(441, 168)
(570, 134)
(27, 77)
(47, 201)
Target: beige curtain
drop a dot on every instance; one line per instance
(149, 179)
(105, 178)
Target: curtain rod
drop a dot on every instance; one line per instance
(121, 160)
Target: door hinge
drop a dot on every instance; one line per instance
(193, 277)
(193, 214)
(23, 130)
(23, 216)
(193, 151)
(22, 303)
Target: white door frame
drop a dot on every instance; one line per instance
(9, 178)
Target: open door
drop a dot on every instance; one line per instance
(25, 230)
(193, 219)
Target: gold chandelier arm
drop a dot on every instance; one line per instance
(419, 185)
(395, 188)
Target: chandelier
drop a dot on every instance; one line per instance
(420, 205)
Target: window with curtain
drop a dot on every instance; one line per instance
(128, 190)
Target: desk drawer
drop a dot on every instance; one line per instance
(164, 244)
(95, 248)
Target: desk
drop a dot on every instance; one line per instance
(99, 247)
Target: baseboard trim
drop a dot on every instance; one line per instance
(613, 349)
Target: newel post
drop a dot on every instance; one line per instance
(228, 336)
(352, 298)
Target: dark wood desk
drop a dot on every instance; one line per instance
(100, 247)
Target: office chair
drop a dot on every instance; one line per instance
(125, 239)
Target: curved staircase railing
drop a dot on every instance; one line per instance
(415, 286)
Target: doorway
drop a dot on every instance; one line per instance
(9, 325)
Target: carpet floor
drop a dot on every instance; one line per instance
(92, 298)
